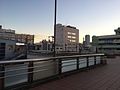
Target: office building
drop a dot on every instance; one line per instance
(108, 44)
(67, 38)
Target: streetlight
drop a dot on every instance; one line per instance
(55, 26)
(26, 42)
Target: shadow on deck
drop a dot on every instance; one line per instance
(102, 78)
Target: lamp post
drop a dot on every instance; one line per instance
(26, 42)
(55, 27)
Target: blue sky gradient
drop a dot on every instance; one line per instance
(94, 17)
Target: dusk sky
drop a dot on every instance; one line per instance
(94, 17)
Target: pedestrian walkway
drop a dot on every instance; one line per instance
(101, 78)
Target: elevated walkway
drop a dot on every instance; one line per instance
(27, 73)
(106, 77)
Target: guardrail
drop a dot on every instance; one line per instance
(18, 72)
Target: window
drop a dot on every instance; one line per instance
(73, 33)
(73, 40)
(73, 37)
(69, 36)
(69, 32)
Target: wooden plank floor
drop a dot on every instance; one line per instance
(101, 78)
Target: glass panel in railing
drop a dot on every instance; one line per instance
(91, 61)
(82, 62)
(69, 65)
(98, 60)
(44, 69)
(15, 74)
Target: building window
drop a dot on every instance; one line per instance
(69, 32)
(73, 33)
(73, 40)
(69, 36)
(73, 37)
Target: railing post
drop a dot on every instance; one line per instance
(103, 60)
(77, 63)
(87, 61)
(30, 72)
(94, 60)
(59, 66)
(2, 69)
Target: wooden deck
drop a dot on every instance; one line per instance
(101, 78)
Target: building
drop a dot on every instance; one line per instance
(67, 38)
(7, 49)
(7, 43)
(25, 38)
(86, 45)
(87, 40)
(7, 34)
(44, 45)
(108, 44)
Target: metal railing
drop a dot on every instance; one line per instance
(16, 72)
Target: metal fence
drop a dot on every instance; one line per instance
(17, 72)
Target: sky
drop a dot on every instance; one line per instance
(93, 17)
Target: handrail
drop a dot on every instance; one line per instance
(47, 59)
(58, 65)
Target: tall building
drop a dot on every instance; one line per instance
(87, 40)
(67, 38)
(109, 44)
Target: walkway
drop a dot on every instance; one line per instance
(101, 78)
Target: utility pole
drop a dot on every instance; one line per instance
(55, 28)
(26, 42)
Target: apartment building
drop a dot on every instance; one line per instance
(67, 38)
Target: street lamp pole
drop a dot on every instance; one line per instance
(55, 27)
(26, 46)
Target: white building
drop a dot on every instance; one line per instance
(109, 44)
(67, 38)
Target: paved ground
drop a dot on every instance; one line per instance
(101, 78)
